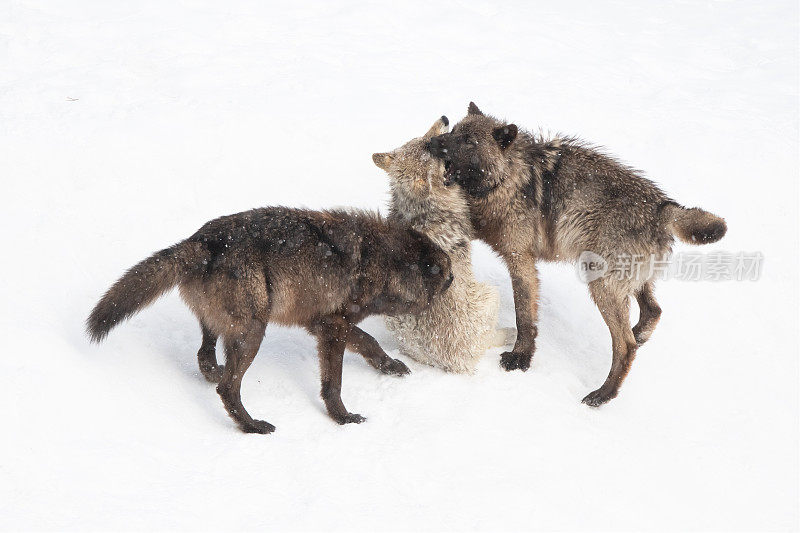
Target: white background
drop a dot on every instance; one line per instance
(126, 125)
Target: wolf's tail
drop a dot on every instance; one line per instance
(693, 226)
(141, 285)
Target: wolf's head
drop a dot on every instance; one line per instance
(435, 266)
(475, 153)
(413, 172)
(415, 270)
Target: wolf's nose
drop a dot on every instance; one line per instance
(445, 121)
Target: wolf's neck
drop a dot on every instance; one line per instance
(533, 163)
(444, 219)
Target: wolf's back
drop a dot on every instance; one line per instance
(141, 285)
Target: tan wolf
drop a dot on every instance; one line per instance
(553, 199)
(322, 270)
(455, 331)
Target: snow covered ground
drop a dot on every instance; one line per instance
(126, 125)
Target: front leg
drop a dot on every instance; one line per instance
(332, 333)
(365, 345)
(525, 282)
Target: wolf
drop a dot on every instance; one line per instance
(455, 331)
(321, 270)
(533, 198)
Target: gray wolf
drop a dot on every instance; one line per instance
(534, 199)
(455, 331)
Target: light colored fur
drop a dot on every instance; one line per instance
(455, 331)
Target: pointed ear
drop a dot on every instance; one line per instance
(382, 160)
(505, 135)
(473, 109)
(439, 127)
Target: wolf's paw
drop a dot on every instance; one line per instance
(515, 361)
(350, 418)
(393, 367)
(258, 426)
(599, 397)
(212, 373)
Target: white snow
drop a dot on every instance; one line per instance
(126, 125)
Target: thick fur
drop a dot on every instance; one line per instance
(455, 331)
(693, 226)
(534, 199)
(324, 271)
(141, 285)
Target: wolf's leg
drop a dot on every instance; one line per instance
(649, 314)
(332, 333)
(614, 305)
(364, 344)
(525, 282)
(207, 356)
(240, 350)
(486, 300)
(500, 337)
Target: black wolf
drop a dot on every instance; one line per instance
(322, 270)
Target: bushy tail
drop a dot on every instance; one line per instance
(693, 226)
(140, 286)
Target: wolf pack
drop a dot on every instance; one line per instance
(529, 197)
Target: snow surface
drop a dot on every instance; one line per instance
(126, 125)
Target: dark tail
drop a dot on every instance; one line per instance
(693, 226)
(142, 285)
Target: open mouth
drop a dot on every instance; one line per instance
(448, 173)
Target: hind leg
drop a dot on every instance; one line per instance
(240, 350)
(649, 314)
(614, 305)
(332, 333)
(365, 345)
(207, 356)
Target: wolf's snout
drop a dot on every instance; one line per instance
(449, 178)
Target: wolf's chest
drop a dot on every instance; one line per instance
(510, 225)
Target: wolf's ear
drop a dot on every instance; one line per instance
(473, 109)
(439, 127)
(505, 135)
(382, 160)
